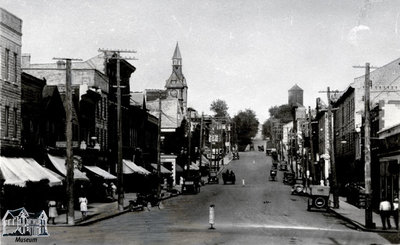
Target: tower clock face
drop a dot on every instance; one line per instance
(174, 93)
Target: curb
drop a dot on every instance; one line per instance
(89, 222)
(360, 226)
(111, 215)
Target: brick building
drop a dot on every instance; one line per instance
(10, 83)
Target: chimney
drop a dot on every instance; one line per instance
(26, 60)
(60, 64)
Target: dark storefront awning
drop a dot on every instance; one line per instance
(100, 172)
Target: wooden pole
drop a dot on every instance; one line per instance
(332, 155)
(119, 134)
(201, 139)
(367, 149)
(159, 147)
(69, 163)
(310, 134)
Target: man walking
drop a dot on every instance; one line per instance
(385, 209)
(396, 212)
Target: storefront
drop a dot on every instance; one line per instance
(389, 159)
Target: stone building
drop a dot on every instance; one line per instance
(10, 83)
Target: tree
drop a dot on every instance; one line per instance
(281, 114)
(220, 108)
(246, 126)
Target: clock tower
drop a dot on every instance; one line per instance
(176, 84)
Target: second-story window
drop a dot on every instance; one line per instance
(6, 64)
(15, 67)
(15, 123)
(6, 118)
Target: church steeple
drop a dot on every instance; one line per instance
(176, 84)
(177, 60)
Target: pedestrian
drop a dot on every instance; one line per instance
(113, 190)
(52, 211)
(396, 212)
(385, 208)
(83, 206)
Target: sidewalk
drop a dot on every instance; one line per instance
(356, 216)
(102, 211)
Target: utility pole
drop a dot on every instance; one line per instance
(116, 55)
(331, 152)
(159, 147)
(201, 139)
(189, 143)
(310, 134)
(68, 134)
(367, 146)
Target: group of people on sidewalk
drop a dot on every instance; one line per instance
(386, 210)
(53, 209)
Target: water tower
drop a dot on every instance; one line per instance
(295, 96)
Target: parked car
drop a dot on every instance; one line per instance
(229, 176)
(191, 182)
(235, 155)
(298, 187)
(213, 177)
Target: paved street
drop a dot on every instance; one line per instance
(261, 212)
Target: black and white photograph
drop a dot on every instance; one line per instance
(199, 122)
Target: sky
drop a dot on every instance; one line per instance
(248, 53)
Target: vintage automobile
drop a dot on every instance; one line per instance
(272, 174)
(283, 166)
(235, 155)
(288, 178)
(191, 182)
(298, 187)
(229, 176)
(213, 176)
(318, 198)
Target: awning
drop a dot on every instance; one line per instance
(59, 164)
(54, 173)
(130, 167)
(178, 168)
(162, 169)
(100, 172)
(193, 166)
(17, 171)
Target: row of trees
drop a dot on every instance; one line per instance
(244, 124)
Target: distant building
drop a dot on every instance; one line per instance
(176, 84)
(10, 82)
(295, 96)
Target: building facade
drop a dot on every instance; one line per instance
(10, 83)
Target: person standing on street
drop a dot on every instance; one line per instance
(52, 211)
(83, 206)
(385, 208)
(396, 212)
